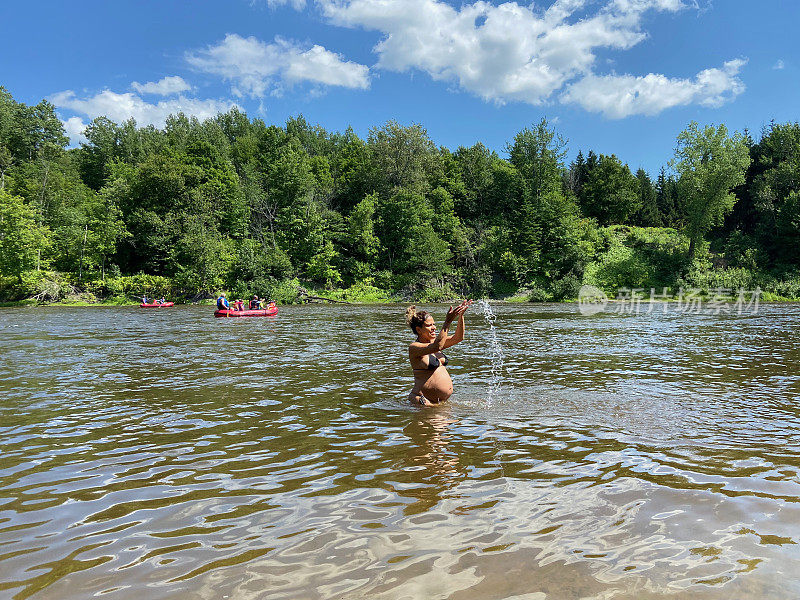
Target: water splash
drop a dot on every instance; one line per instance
(495, 350)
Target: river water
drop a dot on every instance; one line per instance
(165, 454)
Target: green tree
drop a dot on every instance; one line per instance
(312, 138)
(107, 228)
(611, 192)
(201, 257)
(710, 164)
(21, 237)
(545, 224)
(361, 230)
(284, 180)
(788, 229)
(354, 174)
(475, 164)
(505, 195)
(577, 175)
(666, 194)
(397, 217)
(538, 156)
(774, 182)
(26, 131)
(402, 156)
(429, 256)
(6, 161)
(648, 215)
(99, 151)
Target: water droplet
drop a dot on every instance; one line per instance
(495, 351)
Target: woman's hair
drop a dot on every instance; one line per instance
(415, 318)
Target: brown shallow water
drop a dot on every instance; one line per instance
(166, 454)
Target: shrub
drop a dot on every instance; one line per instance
(502, 288)
(439, 293)
(11, 290)
(620, 267)
(44, 286)
(566, 288)
(730, 279)
(786, 288)
(537, 294)
(639, 257)
(362, 291)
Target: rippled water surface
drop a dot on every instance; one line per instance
(166, 454)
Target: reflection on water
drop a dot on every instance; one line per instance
(172, 455)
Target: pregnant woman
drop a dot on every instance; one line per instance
(432, 383)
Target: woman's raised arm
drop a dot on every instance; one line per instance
(418, 349)
(459, 334)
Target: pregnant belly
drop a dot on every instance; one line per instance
(438, 387)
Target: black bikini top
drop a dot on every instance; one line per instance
(434, 363)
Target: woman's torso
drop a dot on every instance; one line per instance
(435, 384)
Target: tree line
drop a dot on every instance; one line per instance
(232, 203)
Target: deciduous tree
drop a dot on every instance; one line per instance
(710, 164)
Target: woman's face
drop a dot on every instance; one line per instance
(428, 330)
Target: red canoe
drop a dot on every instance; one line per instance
(162, 305)
(264, 312)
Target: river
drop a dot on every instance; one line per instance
(165, 454)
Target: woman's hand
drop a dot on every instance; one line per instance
(461, 308)
(455, 311)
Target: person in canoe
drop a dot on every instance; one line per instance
(162, 300)
(222, 302)
(255, 303)
(432, 382)
(145, 300)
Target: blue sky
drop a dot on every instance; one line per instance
(615, 76)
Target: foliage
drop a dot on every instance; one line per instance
(363, 292)
(723, 281)
(611, 194)
(710, 165)
(235, 203)
(634, 257)
(22, 238)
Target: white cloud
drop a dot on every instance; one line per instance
(504, 52)
(120, 107)
(164, 87)
(509, 52)
(779, 65)
(619, 96)
(295, 4)
(256, 68)
(74, 127)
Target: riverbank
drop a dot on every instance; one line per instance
(615, 278)
(704, 297)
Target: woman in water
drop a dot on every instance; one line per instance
(432, 383)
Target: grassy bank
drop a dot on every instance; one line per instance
(719, 284)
